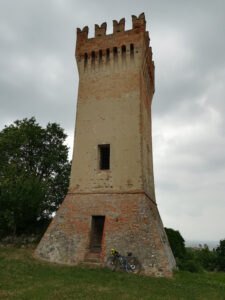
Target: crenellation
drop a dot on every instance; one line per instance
(82, 35)
(119, 36)
(139, 22)
(118, 26)
(100, 30)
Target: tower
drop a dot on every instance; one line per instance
(111, 198)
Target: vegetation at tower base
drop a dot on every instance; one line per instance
(34, 175)
(196, 260)
(177, 242)
(220, 251)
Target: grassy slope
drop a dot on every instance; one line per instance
(22, 277)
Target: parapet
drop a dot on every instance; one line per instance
(120, 48)
(138, 24)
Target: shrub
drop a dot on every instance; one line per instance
(220, 251)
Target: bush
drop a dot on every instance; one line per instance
(207, 258)
(190, 265)
(176, 242)
(220, 251)
(195, 260)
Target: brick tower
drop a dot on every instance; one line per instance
(111, 198)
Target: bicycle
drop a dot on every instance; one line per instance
(129, 263)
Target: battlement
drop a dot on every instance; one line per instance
(138, 24)
(120, 49)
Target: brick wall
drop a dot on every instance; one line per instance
(132, 223)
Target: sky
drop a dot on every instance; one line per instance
(38, 77)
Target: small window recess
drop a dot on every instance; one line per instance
(123, 50)
(85, 59)
(131, 50)
(107, 54)
(104, 156)
(100, 56)
(92, 57)
(115, 52)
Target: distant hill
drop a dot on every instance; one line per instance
(194, 243)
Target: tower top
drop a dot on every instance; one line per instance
(138, 24)
(104, 47)
(119, 34)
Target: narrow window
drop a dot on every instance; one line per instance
(100, 55)
(104, 157)
(107, 54)
(123, 50)
(93, 57)
(85, 59)
(132, 49)
(115, 51)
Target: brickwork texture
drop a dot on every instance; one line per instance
(116, 86)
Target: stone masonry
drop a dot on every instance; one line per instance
(112, 206)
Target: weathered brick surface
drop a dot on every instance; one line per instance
(116, 86)
(132, 223)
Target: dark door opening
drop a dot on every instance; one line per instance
(97, 226)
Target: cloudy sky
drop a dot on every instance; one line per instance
(38, 77)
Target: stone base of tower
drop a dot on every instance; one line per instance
(131, 224)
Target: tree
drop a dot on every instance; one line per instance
(34, 174)
(220, 250)
(177, 242)
(206, 258)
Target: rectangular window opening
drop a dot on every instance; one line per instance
(100, 56)
(115, 52)
(104, 157)
(132, 50)
(85, 59)
(93, 57)
(107, 54)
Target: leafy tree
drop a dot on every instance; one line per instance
(34, 174)
(177, 242)
(196, 260)
(206, 258)
(220, 250)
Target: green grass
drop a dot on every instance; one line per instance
(23, 277)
